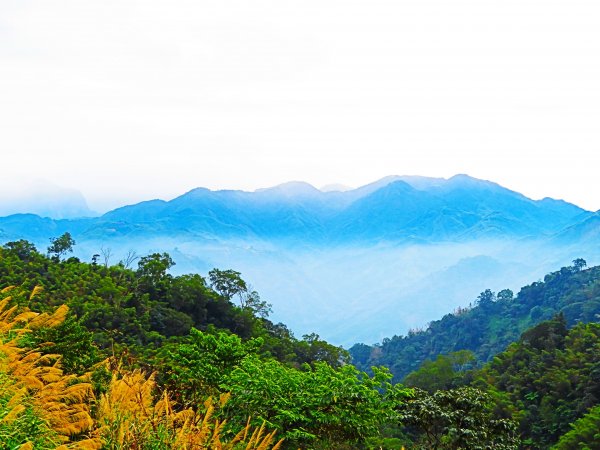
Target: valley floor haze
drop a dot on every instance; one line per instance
(351, 265)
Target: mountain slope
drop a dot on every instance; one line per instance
(493, 323)
(550, 376)
(393, 209)
(354, 266)
(42, 198)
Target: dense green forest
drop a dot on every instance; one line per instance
(492, 323)
(194, 338)
(94, 355)
(546, 381)
(147, 308)
(550, 378)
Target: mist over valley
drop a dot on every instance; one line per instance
(355, 265)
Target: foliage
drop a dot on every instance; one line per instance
(152, 274)
(229, 284)
(142, 309)
(193, 339)
(40, 405)
(69, 339)
(197, 367)
(492, 324)
(446, 372)
(130, 416)
(318, 407)
(549, 379)
(61, 245)
(20, 423)
(461, 418)
(200, 349)
(584, 435)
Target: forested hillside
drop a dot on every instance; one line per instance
(548, 379)
(108, 357)
(494, 321)
(100, 356)
(425, 243)
(148, 307)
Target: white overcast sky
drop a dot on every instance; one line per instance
(128, 100)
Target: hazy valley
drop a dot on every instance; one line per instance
(352, 266)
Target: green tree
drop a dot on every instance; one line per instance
(447, 371)
(253, 303)
(312, 348)
(229, 284)
(197, 367)
(189, 294)
(61, 245)
(70, 340)
(584, 435)
(319, 407)
(579, 264)
(461, 418)
(547, 380)
(23, 249)
(153, 275)
(505, 295)
(486, 298)
(548, 335)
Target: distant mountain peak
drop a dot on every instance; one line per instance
(550, 200)
(463, 182)
(387, 179)
(292, 189)
(398, 186)
(43, 198)
(468, 180)
(196, 191)
(416, 181)
(421, 182)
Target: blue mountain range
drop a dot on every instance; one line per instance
(394, 209)
(355, 265)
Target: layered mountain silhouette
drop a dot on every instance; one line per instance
(353, 265)
(41, 198)
(394, 209)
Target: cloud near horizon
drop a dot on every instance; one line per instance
(135, 100)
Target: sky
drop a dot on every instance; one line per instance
(130, 100)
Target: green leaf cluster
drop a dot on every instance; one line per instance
(461, 418)
(318, 405)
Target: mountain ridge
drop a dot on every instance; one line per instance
(389, 209)
(381, 244)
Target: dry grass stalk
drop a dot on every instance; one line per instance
(128, 416)
(61, 400)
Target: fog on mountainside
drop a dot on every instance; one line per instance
(361, 294)
(43, 199)
(353, 266)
